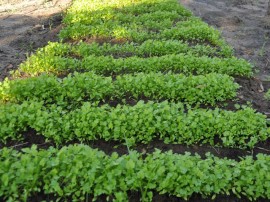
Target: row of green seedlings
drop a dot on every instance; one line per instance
(157, 20)
(188, 31)
(142, 123)
(155, 11)
(209, 89)
(148, 48)
(108, 22)
(51, 62)
(80, 173)
(136, 8)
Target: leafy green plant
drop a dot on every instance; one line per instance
(191, 30)
(185, 63)
(133, 124)
(78, 171)
(137, 21)
(51, 89)
(147, 48)
(14, 119)
(267, 95)
(209, 88)
(153, 41)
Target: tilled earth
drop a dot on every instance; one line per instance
(26, 25)
(245, 25)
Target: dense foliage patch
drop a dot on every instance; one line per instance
(208, 88)
(179, 63)
(79, 172)
(172, 123)
(122, 52)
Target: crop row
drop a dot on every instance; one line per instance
(93, 13)
(208, 88)
(148, 48)
(80, 172)
(153, 20)
(193, 32)
(178, 63)
(137, 27)
(141, 123)
(146, 24)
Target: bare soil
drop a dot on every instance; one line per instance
(136, 197)
(31, 137)
(26, 25)
(245, 25)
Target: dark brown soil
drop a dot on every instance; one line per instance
(252, 91)
(136, 196)
(31, 137)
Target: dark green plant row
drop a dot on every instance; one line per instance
(141, 123)
(209, 88)
(79, 172)
(178, 63)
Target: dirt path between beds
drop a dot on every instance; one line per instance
(243, 24)
(246, 27)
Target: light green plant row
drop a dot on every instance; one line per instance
(142, 123)
(106, 65)
(79, 172)
(132, 22)
(119, 28)
(92, 12)
(209, 88)
(148, 48)
(188, 31)
(116, 17)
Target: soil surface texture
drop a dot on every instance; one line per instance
(245, 25)
(26, 25)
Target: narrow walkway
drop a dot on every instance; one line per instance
(244, 25)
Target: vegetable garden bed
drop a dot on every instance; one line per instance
(180, 75)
